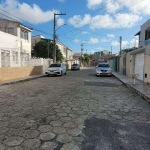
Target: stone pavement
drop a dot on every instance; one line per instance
(50, 113)
(140, 87)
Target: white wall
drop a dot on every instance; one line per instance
(145, 26)
(8, 41)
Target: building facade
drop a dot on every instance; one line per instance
(15, 43)
(141, 56)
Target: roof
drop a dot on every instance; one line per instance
(78, 54)
(137, 33)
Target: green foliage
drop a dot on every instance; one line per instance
(86, 58)
(44, 49)
(40, 49)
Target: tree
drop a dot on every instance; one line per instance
(40, 49)
(86, 58)
(44, 49)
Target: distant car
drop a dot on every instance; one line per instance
(56, 69)
(75, 67)
(103, 69)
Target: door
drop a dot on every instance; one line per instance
(139, 66)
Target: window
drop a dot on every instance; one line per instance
(24, 34)
(55, 65)
(103, 65)
(11, 30)
(15, 57)
(147, 35)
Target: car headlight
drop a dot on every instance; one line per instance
(110, 70)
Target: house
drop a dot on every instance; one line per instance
(77, 57)
(66, 52)
(141, 56)
(15, 44)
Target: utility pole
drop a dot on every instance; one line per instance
(54, 50)
(111, 50)
(81, 54)
(120, 43)
(48, 49)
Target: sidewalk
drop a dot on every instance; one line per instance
(140, 87)
(21, 79)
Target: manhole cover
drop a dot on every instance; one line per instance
(104, 84)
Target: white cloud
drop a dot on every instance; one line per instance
(124, 20)
(93, 41)
(60, 22)
(126, 44)
(77, 21)
(134, 42)
(103, 40)
(84, 32)
(118, 21)
(111, 35)
(100, 48)
(32, 14)
(112, 6)
(115, 43)
(92, 4)
(138, 7)
(76, 41)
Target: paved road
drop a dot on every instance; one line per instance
(78, 111)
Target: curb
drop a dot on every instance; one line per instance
(22, 80)
(135, 90)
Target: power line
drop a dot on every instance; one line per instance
(22, 20)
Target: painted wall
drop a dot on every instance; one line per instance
(147, 69)
(129, 65)
(8, 41)
(19, 72)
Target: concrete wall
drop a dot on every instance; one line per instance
(121, 62)
(6, 24)
(147, 69)
(129, 65)
(19, 72)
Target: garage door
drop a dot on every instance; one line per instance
(139, 65)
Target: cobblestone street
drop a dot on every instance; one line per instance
(61, 113)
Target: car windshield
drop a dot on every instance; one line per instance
(103, 65)
(55, 65)
(75, 65)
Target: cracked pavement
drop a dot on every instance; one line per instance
(55, 113)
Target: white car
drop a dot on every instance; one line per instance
(103, 69)
(56, 69)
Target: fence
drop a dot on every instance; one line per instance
(11, 68)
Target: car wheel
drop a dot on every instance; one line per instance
(65, 73)
(48, 75)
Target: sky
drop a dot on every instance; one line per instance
(95, 24)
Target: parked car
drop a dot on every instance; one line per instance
(56, 69)
(75, 67)
(103, 69)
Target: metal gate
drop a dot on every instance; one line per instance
(139, 66)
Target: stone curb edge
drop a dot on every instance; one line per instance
(135, 90)
(22, 80)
